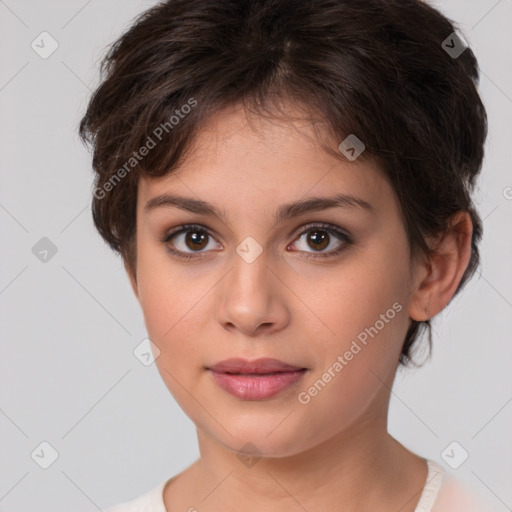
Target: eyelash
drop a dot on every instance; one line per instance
(344, 238)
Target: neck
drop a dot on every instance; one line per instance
(362, 467)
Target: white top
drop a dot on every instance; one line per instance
(441, 493)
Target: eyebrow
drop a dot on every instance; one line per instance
(285, 211)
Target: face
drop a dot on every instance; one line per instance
(323, 289)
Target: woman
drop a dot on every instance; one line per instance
(289, 185)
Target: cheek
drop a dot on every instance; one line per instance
(355, 369)
(166, 303)
(174, 316)
(165, 295)
(364, 308)
(358, 295)
(175, 322)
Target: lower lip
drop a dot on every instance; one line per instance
(257, 387)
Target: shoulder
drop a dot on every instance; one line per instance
(150, 501)
(454, 495)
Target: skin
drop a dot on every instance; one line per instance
(334, 451)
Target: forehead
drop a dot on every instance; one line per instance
(251, 162)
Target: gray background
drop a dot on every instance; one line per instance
(70, 324)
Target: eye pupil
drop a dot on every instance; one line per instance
(197, 238)
(320, 241)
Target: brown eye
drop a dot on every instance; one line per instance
(196, 239)
(318, 239)
(315, 239)
(189, 240)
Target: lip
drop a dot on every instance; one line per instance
(255, 380)
(262, 365)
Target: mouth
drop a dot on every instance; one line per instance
(265, 365)
(256, 374)
(255, 380)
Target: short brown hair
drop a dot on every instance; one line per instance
(374, 68)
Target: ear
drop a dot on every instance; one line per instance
(133, 278)
(438, 277)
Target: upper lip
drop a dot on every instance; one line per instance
(262, 365)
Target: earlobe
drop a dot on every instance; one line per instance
(439, 277)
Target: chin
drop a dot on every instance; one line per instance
(265, 439)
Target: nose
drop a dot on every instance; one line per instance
(251, 299)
